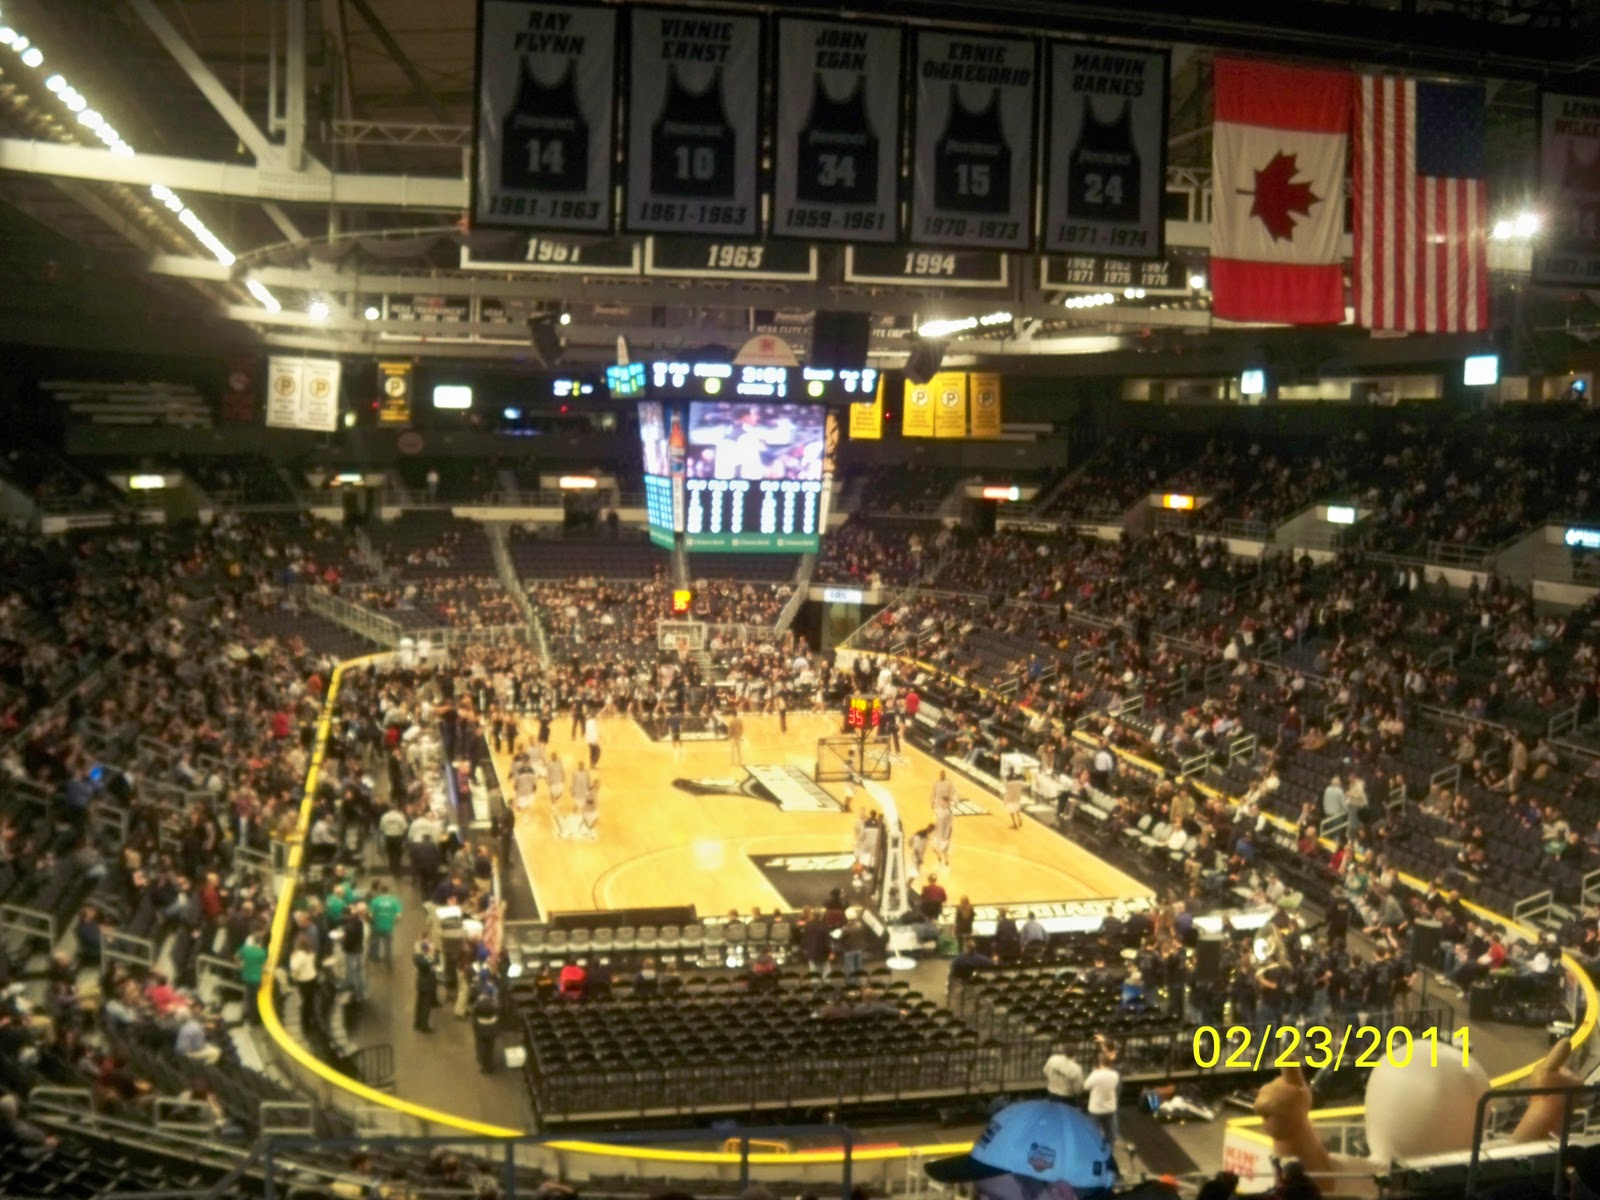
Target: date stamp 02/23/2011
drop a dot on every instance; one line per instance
(1317, 1047)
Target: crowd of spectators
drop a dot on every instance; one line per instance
(859, 554)
(1421, 481)
(456, 601)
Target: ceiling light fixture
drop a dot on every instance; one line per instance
(91, 120)
(318, 310)
(372, 313)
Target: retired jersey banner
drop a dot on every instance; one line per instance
(950, 404)
(394, 393)
(972, 166)
(866, 420)
(836, 155)
(984, 395)
(917, 418)
(1107, 113)
(545, 133)
(1568, 252)
(694, 130)
(303, 393)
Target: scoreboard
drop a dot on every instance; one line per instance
(743, 465)
(768, 514)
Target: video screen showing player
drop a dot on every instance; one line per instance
(739, 440)
(653, 433)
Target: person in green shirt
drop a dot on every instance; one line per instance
(384, 908)
(252, 958)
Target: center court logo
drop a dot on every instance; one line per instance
(790, 788)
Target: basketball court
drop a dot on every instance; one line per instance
(696, 828)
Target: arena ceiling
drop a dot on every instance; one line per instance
(325, 144)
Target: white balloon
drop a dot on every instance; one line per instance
(1422, 1109)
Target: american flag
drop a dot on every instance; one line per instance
(1421, 207)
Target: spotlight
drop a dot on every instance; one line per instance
(372, 313)
(566, 318)
(318, 310)
(1197, 281)
(32, 57)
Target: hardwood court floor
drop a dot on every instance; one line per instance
(659, 845)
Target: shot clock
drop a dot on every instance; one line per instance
(863, 713)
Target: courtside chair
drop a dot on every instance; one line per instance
(604, 940)
(556, 943)
(691, 942)
(579, 941)
(645, 940)
(624, 939)
(779, 937)
(734, 935)
(668, 939)
(756, 937)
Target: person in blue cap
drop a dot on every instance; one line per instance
(1034, 1150)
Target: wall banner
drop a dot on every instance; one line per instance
(1107, 149)
(545, 130)
(973, 136)
(693, 149)
(836, 169)
(1568, 252)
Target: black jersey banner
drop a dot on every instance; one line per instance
(545, 127)
(694, 104)
(1569, 182)
(1107, 152)
(837, 151)
(972, 166)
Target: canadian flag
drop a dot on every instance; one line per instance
(1279, 148)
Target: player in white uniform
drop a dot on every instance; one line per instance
(524, 784)
(556, 777)
(1014, 801)
(589, 807)
(944, 818)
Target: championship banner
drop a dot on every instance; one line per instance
(837, 149)
(394, 393)
(972, 144)
(545, 130)
(1107, 113)
(694, 79)
(238, 406)
(284, 385)
(916, 419)
(866, 420)
(950, 404)
(985, 391)
(1569, 187)
(303, 393)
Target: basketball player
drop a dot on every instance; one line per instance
(866, 849)
(736, 736)
(1014, 801)
(583, 783)
(524, 784)
(556, 777)
(589, 808)
(944, 818)
(917, 850)
(591, 734)
(783, 712)
(675, 729)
